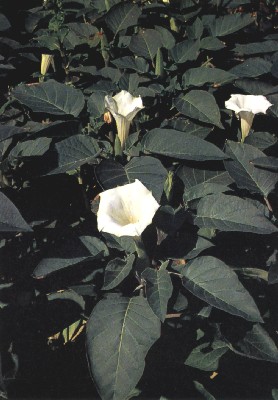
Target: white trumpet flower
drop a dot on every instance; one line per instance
(126, 210)
(245, 107)
(123, 106)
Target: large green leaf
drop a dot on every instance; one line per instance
(245, 174)
(158, 290)
(138, 64)
(187, 50)
(10, 218)
(206, 356)
(51, 97)
(199, 182)
(255, 343)
(121, 16)
(148, 170)
(120, 332)
(71, 252)
(223, 26)
(74, 152)
(116, 271)
(4, 23)
(199, 76)
(31, 148)
(270, 163)
(230, 213)
(268, 46)
(217, 284)
(251, 68)
(146, 43)
(200, 105)
(96, 105)
(176, 144)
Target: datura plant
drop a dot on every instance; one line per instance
(138, 248)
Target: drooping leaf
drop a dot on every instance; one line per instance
(203, 391)
(31, 148)
(244, 173)
(116, 271)
(167, 39)
(206, 356)
(185, 51)
(256, 344)
(10, 218)
(230, 213)
(217, 284)
(146, 43)
(198, 183)
(158, 290)
(121, 16)
(211, 43)
(176, 144)
(200, 105)
(268, 46)
(120, 332)
(199, 76)
(51, 97)
(74, 152)
(223, 26)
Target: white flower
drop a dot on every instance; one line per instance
(245, 107)
(123, 106)
(126, 210)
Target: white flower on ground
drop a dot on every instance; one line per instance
(126, 210)
(123, 106)
(245, 107)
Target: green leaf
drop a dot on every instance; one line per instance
(71, 252)
(31, 148)
(206, 356)
(270, 163)
(261, 140)
(120, 332)
(116, 271)
(201, 75)
(268, 46)
(74, 152)
(51, 97)
(211, 43)
(138, 64)
(256, 344)
(146, 43)
(244, 173)
(230, 213)
(176, 144)
(198, 183)
(4, 23)
(218, 285)
(7, 131)
(274, 393)
(167, 39)
(200, 105)
(10, 218)
(251, 68)
(121, 16)
(158, 290)
(185, 125)
(81, 33)
(223, 26)
(148, 170)
(96, 105)
(187, 50)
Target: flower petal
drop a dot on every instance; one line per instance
(126, 104)
(251, 103)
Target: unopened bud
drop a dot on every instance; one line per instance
(45, 63)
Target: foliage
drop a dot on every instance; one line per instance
(188, 309)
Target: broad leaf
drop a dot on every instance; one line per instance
(198, 183)
(270, 163)
(4, 23)
(120, 332)
(256, 344)
(217, 284)
(187, 50)
(158, 290)
(7, 131)
(244, 173)
(176, 144)
(223, 26)
(96, 105)
(211, 43)
(261, 140)
(51, 97)
(138, 64)
(146, 43)
(185, 125)
(116, 271)
(200, 105)
(10, 218)
(231, 213)
(251, 68)
(31, 148)
(268, 46)
(121, 16)
(201, 75)
(203, 391)
(74, 152)
(206, 356)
